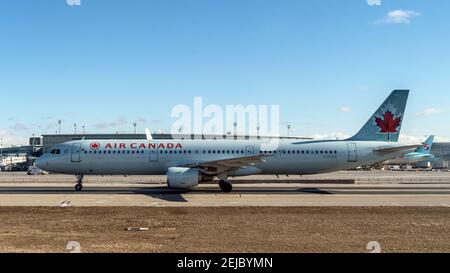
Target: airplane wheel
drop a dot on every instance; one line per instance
(78, 187)
(225, 186)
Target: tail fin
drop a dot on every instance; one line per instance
(386, 123)
(426, 148)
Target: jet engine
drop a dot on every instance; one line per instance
(184, 178)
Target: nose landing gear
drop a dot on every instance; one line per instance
(79, 185)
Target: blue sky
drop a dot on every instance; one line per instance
(328, 64)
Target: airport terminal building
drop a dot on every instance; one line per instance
(441, 150)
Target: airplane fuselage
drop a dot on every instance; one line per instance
(141, 157)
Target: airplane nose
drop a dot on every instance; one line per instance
(40, 162)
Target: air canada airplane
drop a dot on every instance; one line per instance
(190, 162)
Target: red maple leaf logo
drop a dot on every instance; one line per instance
(95, 146)
(388, 123)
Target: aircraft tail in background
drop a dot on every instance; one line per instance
(427, 145)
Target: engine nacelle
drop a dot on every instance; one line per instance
(183, 178)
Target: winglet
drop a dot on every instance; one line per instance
(148, 134)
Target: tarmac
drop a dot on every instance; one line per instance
(360, 189)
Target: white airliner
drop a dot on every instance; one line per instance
(190, 162)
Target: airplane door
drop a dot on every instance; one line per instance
(352, 152)
(153, 155)
(250, 151)
(76, 152)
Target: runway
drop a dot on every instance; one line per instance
(208, 195)
(285, 189)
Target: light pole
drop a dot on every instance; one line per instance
(84, 131)
(75, 128)
(134, 125)
(235, 130)
(289, 130)
(59, 126)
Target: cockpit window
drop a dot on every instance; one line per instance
(55, 151)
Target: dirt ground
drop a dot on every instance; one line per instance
(271, 229)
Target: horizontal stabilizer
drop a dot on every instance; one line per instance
(390, 150)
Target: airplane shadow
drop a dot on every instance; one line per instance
(162, 193)
(314, 191)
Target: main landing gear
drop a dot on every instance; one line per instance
(79, 185)
(225, 186)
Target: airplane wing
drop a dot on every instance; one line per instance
(219, 166)
(390, 150)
